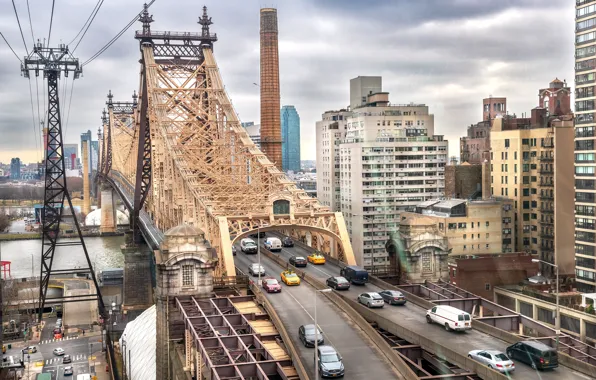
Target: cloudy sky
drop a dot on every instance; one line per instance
(448, 54)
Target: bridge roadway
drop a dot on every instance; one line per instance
(295, 307)
(413, 317)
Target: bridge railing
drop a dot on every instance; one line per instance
(231, 281)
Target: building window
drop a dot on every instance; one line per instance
(486, 286)
(506, 143)
(465, 236)
(187, 275)
(487, 224)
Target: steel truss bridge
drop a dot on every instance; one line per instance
(177, 154)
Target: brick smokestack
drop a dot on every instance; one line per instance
(270, 100)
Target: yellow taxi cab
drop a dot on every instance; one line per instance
(316, 258)
(289, 277)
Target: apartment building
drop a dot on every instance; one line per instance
(331, 131)
(390, 160)
(526, 167)
(475, 147)
(479, 227)
(585, 183)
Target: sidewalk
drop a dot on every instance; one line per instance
(99, 362)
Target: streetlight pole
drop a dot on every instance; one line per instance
(259, 253)
(317, 333)
(558, 310)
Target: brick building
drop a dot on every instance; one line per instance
(463, 181)
(479, 274)
(475, 147)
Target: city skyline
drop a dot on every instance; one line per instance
(477, 66)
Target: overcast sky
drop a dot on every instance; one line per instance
(448, 54)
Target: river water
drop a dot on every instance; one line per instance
(25, 255)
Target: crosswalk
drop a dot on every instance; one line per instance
(48, 341)
(58, 360)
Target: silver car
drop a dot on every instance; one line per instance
(255, 269)
(371, 299)
(493, 359)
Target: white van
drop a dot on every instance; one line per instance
(272, 244)
(84, 376)
(450, 317)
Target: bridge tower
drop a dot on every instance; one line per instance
(196, 165)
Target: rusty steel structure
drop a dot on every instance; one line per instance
(187, 159)
(270, 98)
(232, 338)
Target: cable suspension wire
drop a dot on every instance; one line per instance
(31, 25)
(11, 49)
(51, 20)
(20, 29)
(33, 116)
(69, 107)
(90, 18)
(107, 46)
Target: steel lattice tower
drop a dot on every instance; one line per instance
(52, 62)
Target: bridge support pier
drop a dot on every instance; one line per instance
(138, 290)
(109, 221)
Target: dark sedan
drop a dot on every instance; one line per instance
(66, 359)
(298, 261)
(287, 242)
(393, 297)
(306, 333)
(338, 283)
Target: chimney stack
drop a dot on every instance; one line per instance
(270, 99)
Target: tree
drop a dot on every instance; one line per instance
(4, 221)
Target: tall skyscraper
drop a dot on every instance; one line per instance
(270, 123)
(15, 168)
(290, 134)
(375, 161)
(585, 151)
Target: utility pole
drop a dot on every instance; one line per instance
(52, 62)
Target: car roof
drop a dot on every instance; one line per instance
(537, 345)
(492, 352)
(309, 326)
(327, 349)
(299, 257)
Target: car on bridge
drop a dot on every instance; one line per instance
(338, 283)
(371, 299)
(248, 246)
(271, 285)
(493, 359)
(330, 362)
(316, 258)
(289, 277)
(450, 317)
(297, 261)
(306, 334)
(272, 244)
(259, 235)
(393, 297)
(255, 269)
(234, 250)
(537, 354)
(287, 242)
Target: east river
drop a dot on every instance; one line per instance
(104, 252)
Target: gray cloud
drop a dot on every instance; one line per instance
(448, 54)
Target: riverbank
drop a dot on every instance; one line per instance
(34, 236)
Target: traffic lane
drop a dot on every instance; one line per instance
(415, 319)
(295, 306)
(290, 312)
